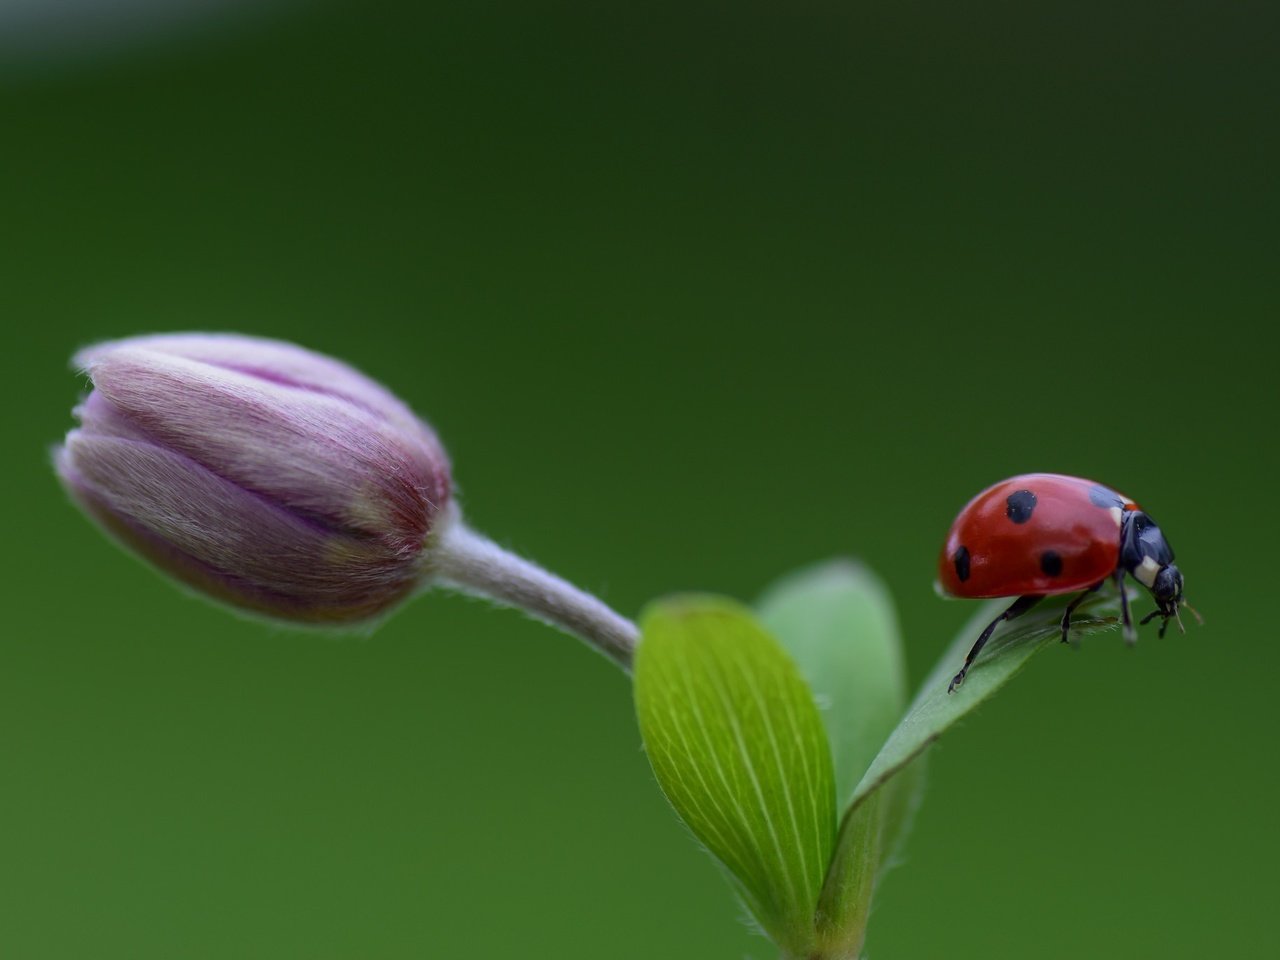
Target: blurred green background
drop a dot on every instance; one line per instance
(695, 294)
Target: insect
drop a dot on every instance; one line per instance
(1042, 534)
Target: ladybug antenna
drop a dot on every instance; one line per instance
(1199, 619)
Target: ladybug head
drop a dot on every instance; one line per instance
(1167, 589)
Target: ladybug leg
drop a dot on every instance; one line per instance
(1130, 634)
(1164, 624)
(1066, 614)
(1016, 609)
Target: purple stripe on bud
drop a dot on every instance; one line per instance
(262, 474)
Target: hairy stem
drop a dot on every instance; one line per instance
(467, 561)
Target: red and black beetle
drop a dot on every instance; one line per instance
(1042, 534)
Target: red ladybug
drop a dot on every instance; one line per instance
(1042, 534)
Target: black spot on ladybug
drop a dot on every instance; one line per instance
(1020, 505)
(1050, 563)
(1100, 496)
(962, 563)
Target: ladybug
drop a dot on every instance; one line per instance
(1042, 534)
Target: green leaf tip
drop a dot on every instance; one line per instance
(737, 746)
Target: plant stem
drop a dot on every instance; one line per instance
(474, 564)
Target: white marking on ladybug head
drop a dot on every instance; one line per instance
(1117, 515)
(1146, 572)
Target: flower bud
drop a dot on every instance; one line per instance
(264, 475)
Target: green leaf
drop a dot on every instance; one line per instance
(900, 798)
(1007, 652)
(837, 621)
(738, 748)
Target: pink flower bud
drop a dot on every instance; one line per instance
(275, 479)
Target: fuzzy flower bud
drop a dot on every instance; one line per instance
(264, 475)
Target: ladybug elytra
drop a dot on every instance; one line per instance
(1044, 534)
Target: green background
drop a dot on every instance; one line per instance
(695, 294)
